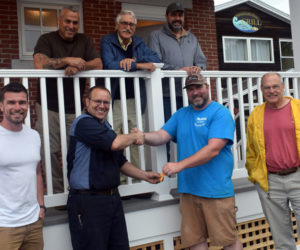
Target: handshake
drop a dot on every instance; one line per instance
(138, 136)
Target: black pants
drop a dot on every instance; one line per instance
(97, 222)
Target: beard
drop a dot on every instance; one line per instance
(175, 28)
(200, 105)
(16, 120)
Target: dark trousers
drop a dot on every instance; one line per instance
(97, 222)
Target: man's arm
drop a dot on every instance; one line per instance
(124, 140)
(157, 138)
(74, 64)
(199, 57)
(42, 61)
(40, 189)
(94, 64)
(132, 171)
(146, 66)
(203, 156)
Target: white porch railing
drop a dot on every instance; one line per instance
(226, 86)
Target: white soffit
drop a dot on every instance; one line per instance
(146, 12)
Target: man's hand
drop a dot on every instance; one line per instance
(77, 62)
(152, 177)
(146, 66)
(140, 136)
(191, 70)
(172, 168)
(70, 70)
(125, 64)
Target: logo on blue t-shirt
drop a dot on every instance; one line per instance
(200, 121)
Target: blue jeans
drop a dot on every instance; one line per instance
(97, 222)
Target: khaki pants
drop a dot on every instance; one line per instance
(132, 123)
(29, 237)
(55, 144)
(284, 190)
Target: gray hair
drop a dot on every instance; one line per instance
(72, 8)
(126, 12)
(269, 74)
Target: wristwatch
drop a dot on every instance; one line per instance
(43, 206)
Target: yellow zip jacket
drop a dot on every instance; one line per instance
(255, 153)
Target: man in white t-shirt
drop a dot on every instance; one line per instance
(22, 207)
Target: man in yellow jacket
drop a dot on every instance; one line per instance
(273, 158)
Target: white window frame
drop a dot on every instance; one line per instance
(281, 56)
(40, 4)
(248, 43)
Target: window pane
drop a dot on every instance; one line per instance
(286, 48)
(32, 16)
(49, 17)
(261, 50)
(236, 50)
(31, 39)
(287, 63)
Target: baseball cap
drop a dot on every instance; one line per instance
(196, 79)
(174, 7)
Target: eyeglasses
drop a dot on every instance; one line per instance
(99, 102)
(126, 24)
(268, 88)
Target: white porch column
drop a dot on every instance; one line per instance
(156, 120)
(295, 20)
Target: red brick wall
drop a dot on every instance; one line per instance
(9, 43)
(99, 18)
(201, 21)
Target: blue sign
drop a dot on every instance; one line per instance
(247, 22)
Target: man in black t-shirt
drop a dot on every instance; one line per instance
(63, 49)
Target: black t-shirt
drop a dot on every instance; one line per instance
(53, 46)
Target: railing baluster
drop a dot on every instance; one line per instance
(139, 119)
(46, 138)
(28, 117)
(62, 129)
(77, 96)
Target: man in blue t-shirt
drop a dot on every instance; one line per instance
(204, 134)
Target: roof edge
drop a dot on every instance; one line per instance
(256, 4)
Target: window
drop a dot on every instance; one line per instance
(35, 20)
(286, 54)
(248, 50)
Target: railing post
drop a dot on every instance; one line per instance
(156, 121)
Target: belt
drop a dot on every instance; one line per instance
(94, 191)
(286, 171)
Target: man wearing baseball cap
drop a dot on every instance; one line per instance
(178, 49)
(204, 134)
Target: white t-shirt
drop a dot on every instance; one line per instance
(19, 157)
